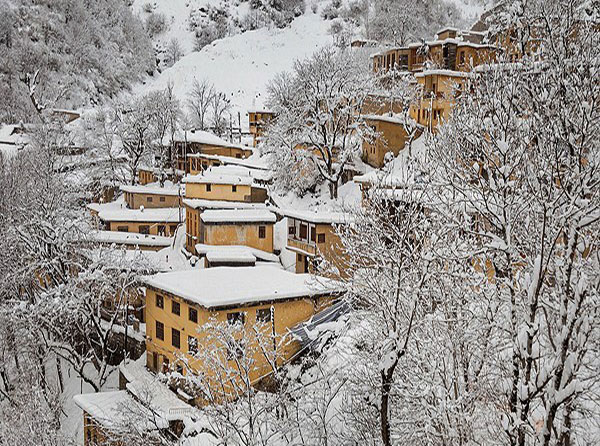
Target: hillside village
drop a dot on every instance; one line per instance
(390, 243)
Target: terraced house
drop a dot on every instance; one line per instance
(312, 236)
(264, 298)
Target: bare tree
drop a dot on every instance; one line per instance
(200, 101)
(319, 111)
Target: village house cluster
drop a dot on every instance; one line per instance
(213, 209)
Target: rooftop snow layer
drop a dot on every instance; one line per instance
(199, 203)
(110, 212)
(238, 216)
(323, 217)
(258, 254)
(201, 137)
(130, 238)
(211, 178)
(228, 286)
(153, 189)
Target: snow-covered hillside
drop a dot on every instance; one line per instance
(243, 64)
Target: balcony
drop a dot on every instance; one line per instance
(302, 245)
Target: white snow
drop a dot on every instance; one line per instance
(321, 217)
(242, 65)
(212, 178)
(222, 250)
(226, 286)
(199, 203)
(129, 238)
(238, 216)
(114, 212)
(154, 189)
(201, 137)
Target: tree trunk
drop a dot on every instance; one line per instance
(384, 410)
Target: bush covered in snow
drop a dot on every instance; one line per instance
(67, 53)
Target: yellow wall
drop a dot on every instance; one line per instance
(135, 226)
(221, 192)
(238, 234)
(391, 138)
(146, 176)
(192, 228)
(437, 99)
(287, 314)
(330, 249)
(135, 200)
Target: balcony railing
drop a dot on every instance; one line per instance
(304, 245)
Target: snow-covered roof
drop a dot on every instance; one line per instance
(231, 286)
(105, 407)
(449, 73)
(224, 250)
(110, 409)
(153, 189)
(147, 387)
(212, 178)
(202, 137)
(394, 119)
(199, 203)
(238, 216)
(322, 217)
(230, 160)
(129, 238)
(110, 212)
(230, 256)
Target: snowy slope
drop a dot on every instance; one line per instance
(242, 65)
(177, 15)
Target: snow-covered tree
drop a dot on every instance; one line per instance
(318, 109)
(516, 173)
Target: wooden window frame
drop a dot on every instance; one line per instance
(175, 338)
(160, 330)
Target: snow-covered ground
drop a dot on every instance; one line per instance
(242, 65)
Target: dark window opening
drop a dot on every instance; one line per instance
(263, 315)
(175, 308)
(160, 331)
(175, 338)
(193, 315)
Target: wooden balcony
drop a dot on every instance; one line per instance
(302, 245)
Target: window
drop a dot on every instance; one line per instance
(208, 187)
(321, 238)
(192, 314)
(161, 199)
(292, 230)
(160, 330)
(192, 345)
(313, 234)
(123, 228)
(462, 57)
(144, 229)
(263, 315)
(303, 231)
(235, 318)
(175, 308)
(161, 230)
(173, 229)
(175, 338)
(262, 232)
(234, 188)
(149, 199)
(160, 301)
(155, 361)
